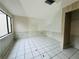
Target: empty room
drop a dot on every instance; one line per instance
(39, 29)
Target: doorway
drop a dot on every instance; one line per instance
(71, 29)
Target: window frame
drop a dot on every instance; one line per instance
(7, 24)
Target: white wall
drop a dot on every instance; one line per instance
(6, 40)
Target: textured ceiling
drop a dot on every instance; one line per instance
(14, 6)
(30, 8)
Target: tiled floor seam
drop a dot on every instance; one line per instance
(16, 55)
(45, 51)
(48, 46)
(57, 54)
(31, 49)
(65, 55)
(37, 49)
(24, 50)
(73, 54)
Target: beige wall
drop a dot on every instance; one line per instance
(21, 24)
(74, 32)
(49, 17)
(49, 24)
(67, 2)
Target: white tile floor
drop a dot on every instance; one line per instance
(41, 48)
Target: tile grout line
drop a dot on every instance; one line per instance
(73, 54)
(48, 46)
(56, 54)
(37, 48)
(30, 48)
(17, 51)
(67, 56)
(53, 48)
(16, 54)
(46, 51)
(45, 46)
(24, 50)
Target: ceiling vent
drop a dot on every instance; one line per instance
(49, 1)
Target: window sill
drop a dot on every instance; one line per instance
(5, 36)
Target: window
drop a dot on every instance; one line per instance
(5, 24)
(9, 24)
(3, 27)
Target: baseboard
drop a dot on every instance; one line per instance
(24, 35)
(68, 45)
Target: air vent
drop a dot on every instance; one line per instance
(49, 1)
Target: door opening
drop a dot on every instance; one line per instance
(71, 29)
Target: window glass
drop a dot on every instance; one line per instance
(3, 24)
(9, 24)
